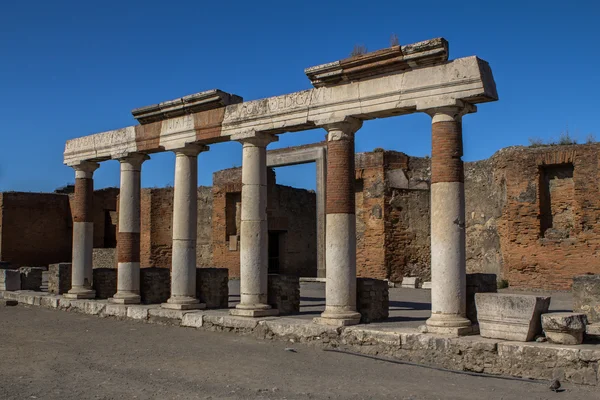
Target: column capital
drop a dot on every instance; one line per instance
(342, 130)
(85, 169)
(190, 150)
(258, 139)
(135, 160)
(452, 113)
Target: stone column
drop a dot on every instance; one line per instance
(128, 243)
(83, 232)
(185, 227)
(448, 263)
(340, 297)
(321, 164)
(254, 262)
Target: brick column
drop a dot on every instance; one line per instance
(83, 232)
(448, 264)
(340, 231)
(128, 241)
(185, 227)
(254, 262)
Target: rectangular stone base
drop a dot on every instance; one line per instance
(453, 331)
(77, 296)
(335, 321)
(593, 330)
(173, 306)
(253, 313)
(124, 301)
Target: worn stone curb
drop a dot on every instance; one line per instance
(576, 364)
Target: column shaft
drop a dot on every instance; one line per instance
(254, 260)
(128, 243)
(83, 233)
(185, 226)
(340, 253)
(321, 165)
(448, 265)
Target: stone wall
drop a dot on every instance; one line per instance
(105, 282)
(284, 293)
(104, 258)
(104, 217)
(372, 300)
(292, 225)
(155, 285)
(212, 287)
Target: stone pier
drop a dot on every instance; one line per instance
(254, 263)
(128, 243)
(83, 232)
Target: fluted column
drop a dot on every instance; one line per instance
(448, 263)
(83, 232)
(185, 227)
(340, 231)
(254, 262)
(128, 243)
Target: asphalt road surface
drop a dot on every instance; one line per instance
(49, 354)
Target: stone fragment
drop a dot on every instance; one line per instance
(372, 299)
(10, 279)
(411, 282)
(510, 316)
(478, 283)
(564, 327)
(586, 296)
(283, 293)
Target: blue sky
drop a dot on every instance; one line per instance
(72, 68)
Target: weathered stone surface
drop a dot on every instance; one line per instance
(104, 257)
(8, 303)
(510, 316)
(212, 287)
(299, 330)
(105, 282)
(372, 299)
(31, 278)
(411, 282)
(564, 327)
(283, 293)
(115, 310)
(155, 285)
(10, 279)
(50, 301)
(137, 312)
(192, 319)
(593, 331)
(223, 320)
(59, 278)
(586, 296)
(166, 316)
(478, 283)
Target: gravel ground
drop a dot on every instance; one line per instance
(49, 354)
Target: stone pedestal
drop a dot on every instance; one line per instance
(253, 227)
(284, 293)
(105, 282)
(372, 299)
(31, 278)
(564, 327)
(340, 231)
(212, 287)
(510, 316)
(59, 278)
(10, 279)
(586, 296)
(155, 285)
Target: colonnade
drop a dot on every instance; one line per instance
(448, 268)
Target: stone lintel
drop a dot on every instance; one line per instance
(190, 104)
(385, 61)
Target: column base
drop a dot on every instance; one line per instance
(178, 306)
(240, 312)
(125, 299)
(346, 318)
(80, 293)
(445, 324)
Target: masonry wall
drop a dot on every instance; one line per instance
(291, 217)
(36, 228)
(104, 217)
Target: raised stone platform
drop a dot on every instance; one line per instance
(576, 364)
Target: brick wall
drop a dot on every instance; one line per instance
(36, 228)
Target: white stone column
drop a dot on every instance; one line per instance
(448, 263)
(254, 262)
(128, 241)
(83, 232)
(185, 227)
(340, 231)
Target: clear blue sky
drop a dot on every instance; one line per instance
(72, 68)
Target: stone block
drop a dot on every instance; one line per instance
(105, 282)
(45, 277)
(10, 279)
(155, 285)
(192, 320)
(137, 312)
(59, 278)
(426, 285)
(593, 331)
(510, 316)
(212, 287)
(411, 282)
(115, 310)
(478, 283)
(283, 293)
(586, 296)
(564, 327)
(372, 299)
(31, 278)
(165, 316)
